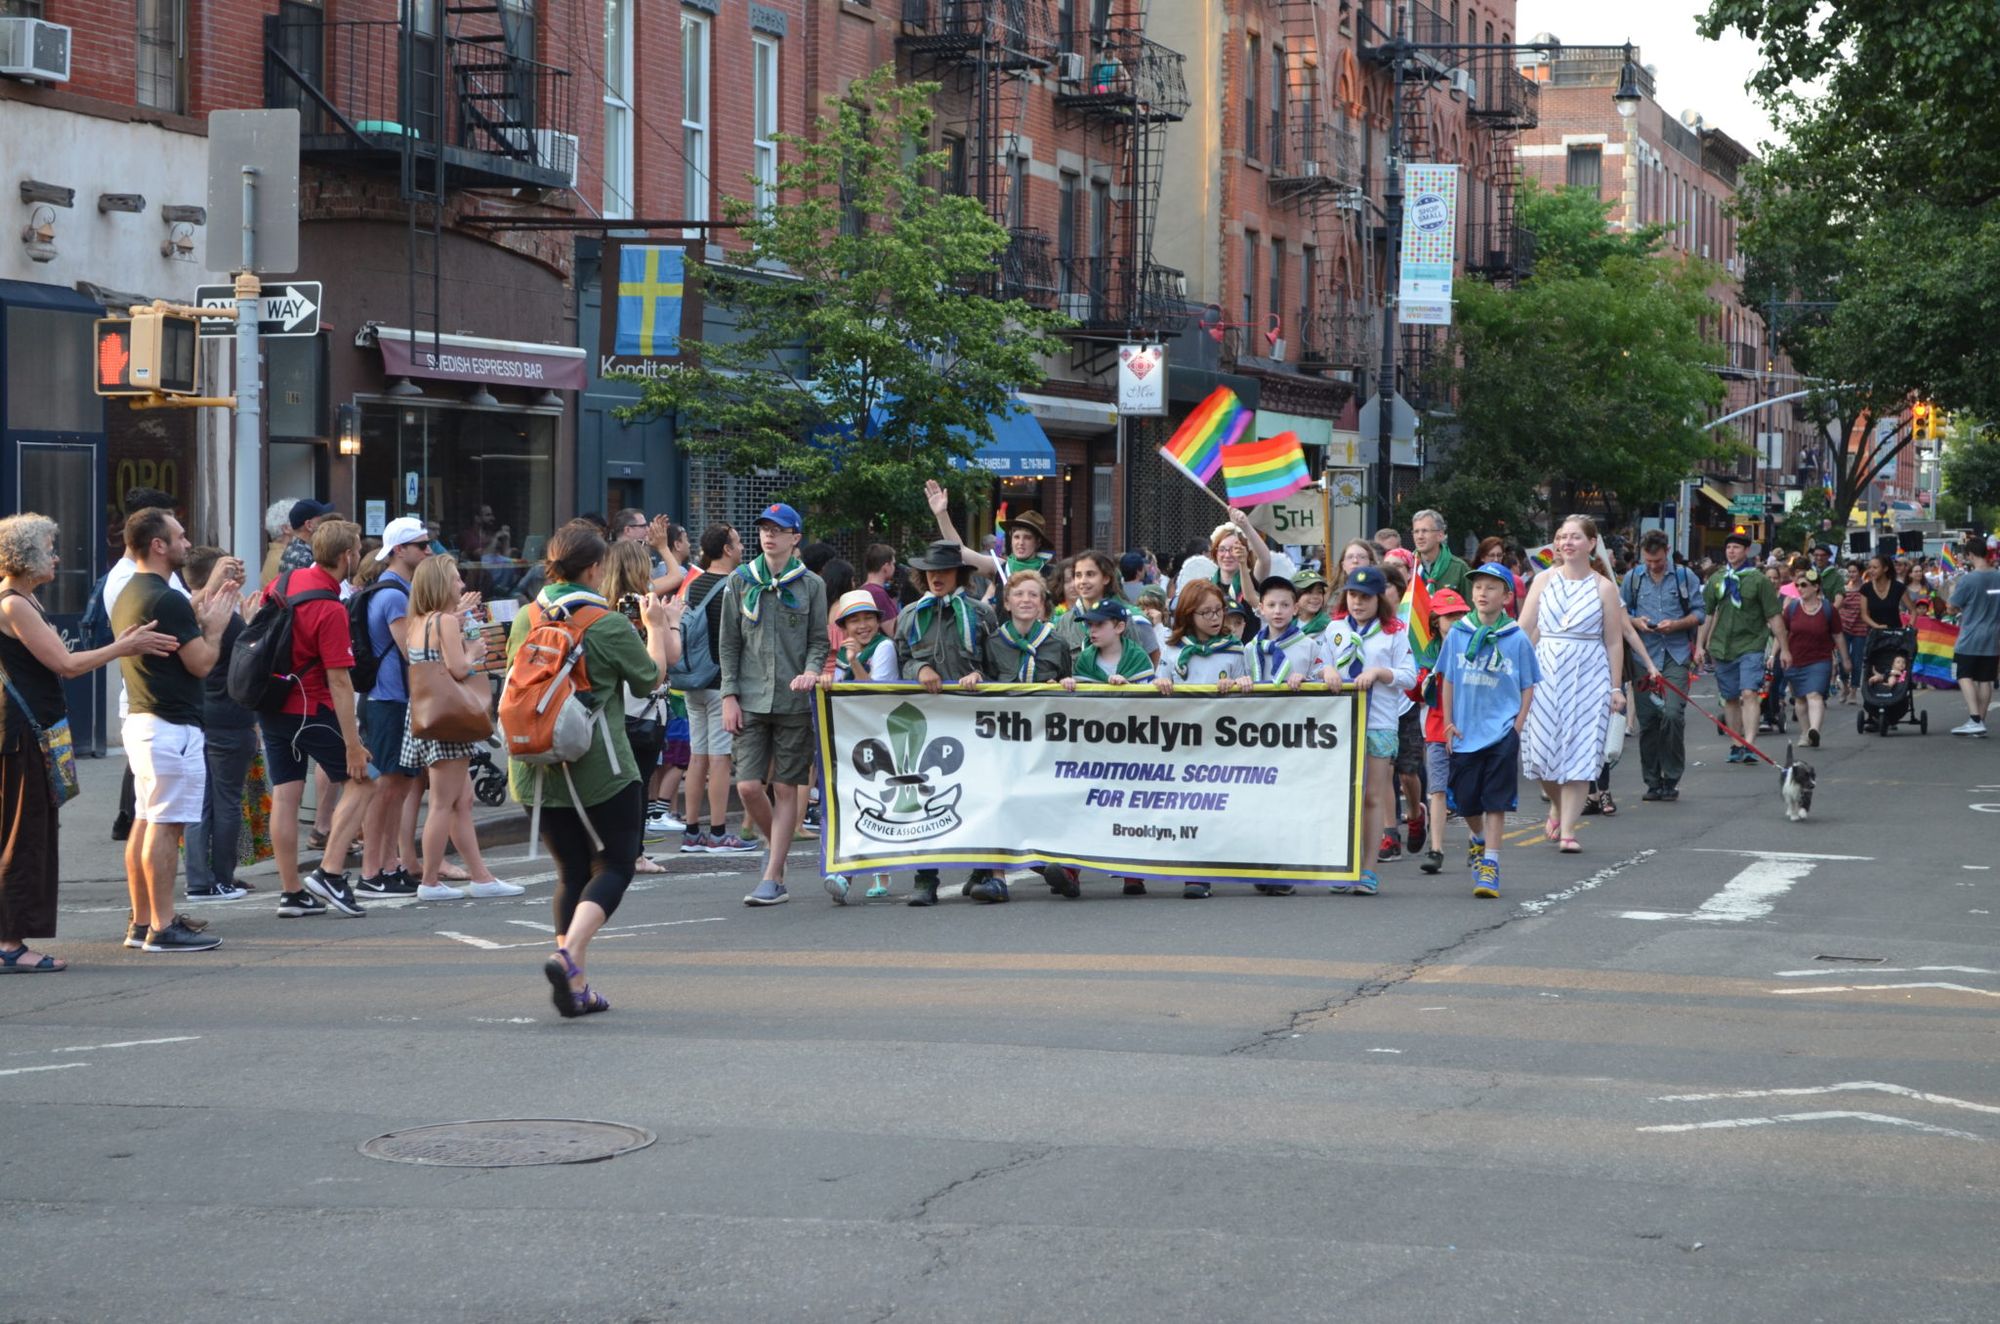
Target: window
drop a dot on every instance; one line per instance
(1253, 64)
(1066, 224)
(1586, 168)
(1100, 234)
(618, 107)
(1066, 25)
(1277, 306)
(1308, 292)
(162, 63)
(1017, 189)
(20, 8)
(764, 115)
(1251, 243)
(694, 116)
(1278, 107)
(954, 165)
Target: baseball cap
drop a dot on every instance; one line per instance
(1367, 579)
(782, 515)
(1132, 564)
(406, 529)
(1308, 579)
(308, 509)
(1493, 570)
(1446, 602)
(1269, 582)
(857, 601)
(1111, 609)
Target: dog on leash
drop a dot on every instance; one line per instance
(1796, 781)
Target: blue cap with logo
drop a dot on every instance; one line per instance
(1494, 570)
(1367, 579)
(1111, 609)
(782, 515)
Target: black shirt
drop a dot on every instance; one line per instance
(1886, 612)
(218, 710)
(159, 685)
(40, 689)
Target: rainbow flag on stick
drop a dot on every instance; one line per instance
(1257, 472)
(1936, 641)
(1952, 565)
(1423, 640)
(1196, 446)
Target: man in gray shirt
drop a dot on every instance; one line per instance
(1664, 602)
(1976, 598)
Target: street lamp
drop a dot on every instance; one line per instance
(347, 428)
(1628, 96)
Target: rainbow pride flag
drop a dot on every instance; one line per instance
(1423, 640)
(1950, 560)
(1936, 641)
(1257, 472)
(1196, 446)
(1543, 557)
(1000, 523)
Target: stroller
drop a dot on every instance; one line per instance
(489, 783)
(1889, 703)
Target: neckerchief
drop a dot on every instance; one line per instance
(1350, 659)
(1232, 592)
(758, 580)
(1223, 644)
(921, 610)
(1038, 563)
(1133, 664)
(1317, 625)
(1732, 586)
(856, 664)
(1025, 644)
(1269, 651)
(569, 597)
(1484, 634)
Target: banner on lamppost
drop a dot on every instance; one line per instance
(1430, 244)
(1243, 788)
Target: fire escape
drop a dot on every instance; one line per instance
(984, 53)
(1315, 171)
(1132, 87)
(1504, 102)
(448, 100)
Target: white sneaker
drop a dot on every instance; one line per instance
(662, 823)
(440, 892)
(494, 887)
(1972, 726)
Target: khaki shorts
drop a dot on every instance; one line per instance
(705, 731)
(775, 747)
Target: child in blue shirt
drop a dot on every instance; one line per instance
(1489, 675)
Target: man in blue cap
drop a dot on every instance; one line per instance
(773, 645)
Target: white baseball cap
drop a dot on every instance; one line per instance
(407, 529)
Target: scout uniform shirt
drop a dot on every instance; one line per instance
(771, 634)
(1274, 659)
(1041, 656)
(1740, 602)
(1351, 647)
(947, 634)
(1192, 663)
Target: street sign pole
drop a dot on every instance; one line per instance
(247, 526)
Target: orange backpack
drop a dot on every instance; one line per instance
(544, 720)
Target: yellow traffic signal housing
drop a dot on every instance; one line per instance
(166, 352)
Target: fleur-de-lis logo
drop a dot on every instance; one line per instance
(908, 759)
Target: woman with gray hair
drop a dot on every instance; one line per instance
(36, 664)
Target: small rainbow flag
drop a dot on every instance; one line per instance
(1543, 557)
(1000, 522)
(1936, 641)
(1423, 640)
(1196, 446)
(1950, 560)
(1256, 472)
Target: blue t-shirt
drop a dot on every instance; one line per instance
(1486, 694)
(385, 608)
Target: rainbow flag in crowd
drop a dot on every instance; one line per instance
(1256, 472)
(1950, 560)
(1936, 641)
(1543, 557)
(1423, 640)
(1000, 523)
(1196, 446)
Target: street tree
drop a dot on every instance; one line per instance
(862, 354)
(1587, 381)
(1972, 474)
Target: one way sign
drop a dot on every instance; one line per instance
(290, 309)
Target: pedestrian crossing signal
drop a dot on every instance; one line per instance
(114, 357)
(153, 352)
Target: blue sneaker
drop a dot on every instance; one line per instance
(1475, 851)
(836, 887)
(768, 893)
(1367, 884)
(1486, 884)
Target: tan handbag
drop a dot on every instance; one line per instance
(444, 708)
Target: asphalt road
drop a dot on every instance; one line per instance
(1636, 1089)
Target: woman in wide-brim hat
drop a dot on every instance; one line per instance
(1029, 546)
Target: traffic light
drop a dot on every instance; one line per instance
(1923, 422)
(153, 352)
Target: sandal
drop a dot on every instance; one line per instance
(1552, 828)
(1568, 846)
(589, 1000)
(559, 970)
(316, 840)
(1608, 805)
(453, 873)
(10, 963)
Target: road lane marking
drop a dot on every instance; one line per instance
(1878, 988)
(1753, 892)
(1596, 880)
(1844, 1087)
(128, 1043)
(60, 1066)
(1880, 1119)
(1890, 970)
(609, 931)
(1778, 854)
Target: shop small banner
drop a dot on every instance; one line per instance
(1247, 788)
(1430, 245)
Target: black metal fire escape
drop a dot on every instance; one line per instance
(1315, 170)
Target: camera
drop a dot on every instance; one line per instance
(629, 604)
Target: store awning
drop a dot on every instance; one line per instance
(1065, 412)
(1716, 495)
(538, 367)
(56, 298)
(1019, 449)
(1309, 430)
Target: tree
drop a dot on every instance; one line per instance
(862, 356)
(1587, 380)
(1809, 522)
(1972, 475)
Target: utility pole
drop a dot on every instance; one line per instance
(1392, 214)
(247, 527)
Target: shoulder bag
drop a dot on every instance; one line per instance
(443, 707)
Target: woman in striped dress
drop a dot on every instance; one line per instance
(1576, 621)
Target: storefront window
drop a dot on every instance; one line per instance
(484, 480)
(48, 372)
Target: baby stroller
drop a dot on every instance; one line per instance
(489, 783)
(1889, 703)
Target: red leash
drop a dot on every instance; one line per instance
(1646, 686)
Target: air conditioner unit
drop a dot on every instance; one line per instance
(1076, 307)
(35, 50)
(1310, 168)
(1464, 84)
(1069, 67)
(556, 151)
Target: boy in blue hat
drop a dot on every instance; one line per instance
(1488, 675)
(773, 645)
(1367, 647)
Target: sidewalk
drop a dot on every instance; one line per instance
(94, 865)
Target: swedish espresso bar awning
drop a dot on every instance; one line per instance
(478, 359)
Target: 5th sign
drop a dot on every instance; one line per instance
(290, 308)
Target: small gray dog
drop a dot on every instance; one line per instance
(1796, 782)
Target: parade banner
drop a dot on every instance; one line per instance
(1247, 788)
(1430, 245)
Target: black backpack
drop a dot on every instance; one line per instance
(367, 661)
(260, 670)
(698, 669)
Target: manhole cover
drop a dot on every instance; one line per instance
(508, 1142)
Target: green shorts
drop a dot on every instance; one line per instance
(1384, 744)
(775, 747)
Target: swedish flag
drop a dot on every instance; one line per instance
(650, 284)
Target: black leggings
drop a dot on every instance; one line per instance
(585, 874)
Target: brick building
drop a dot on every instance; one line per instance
(1676, 170)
